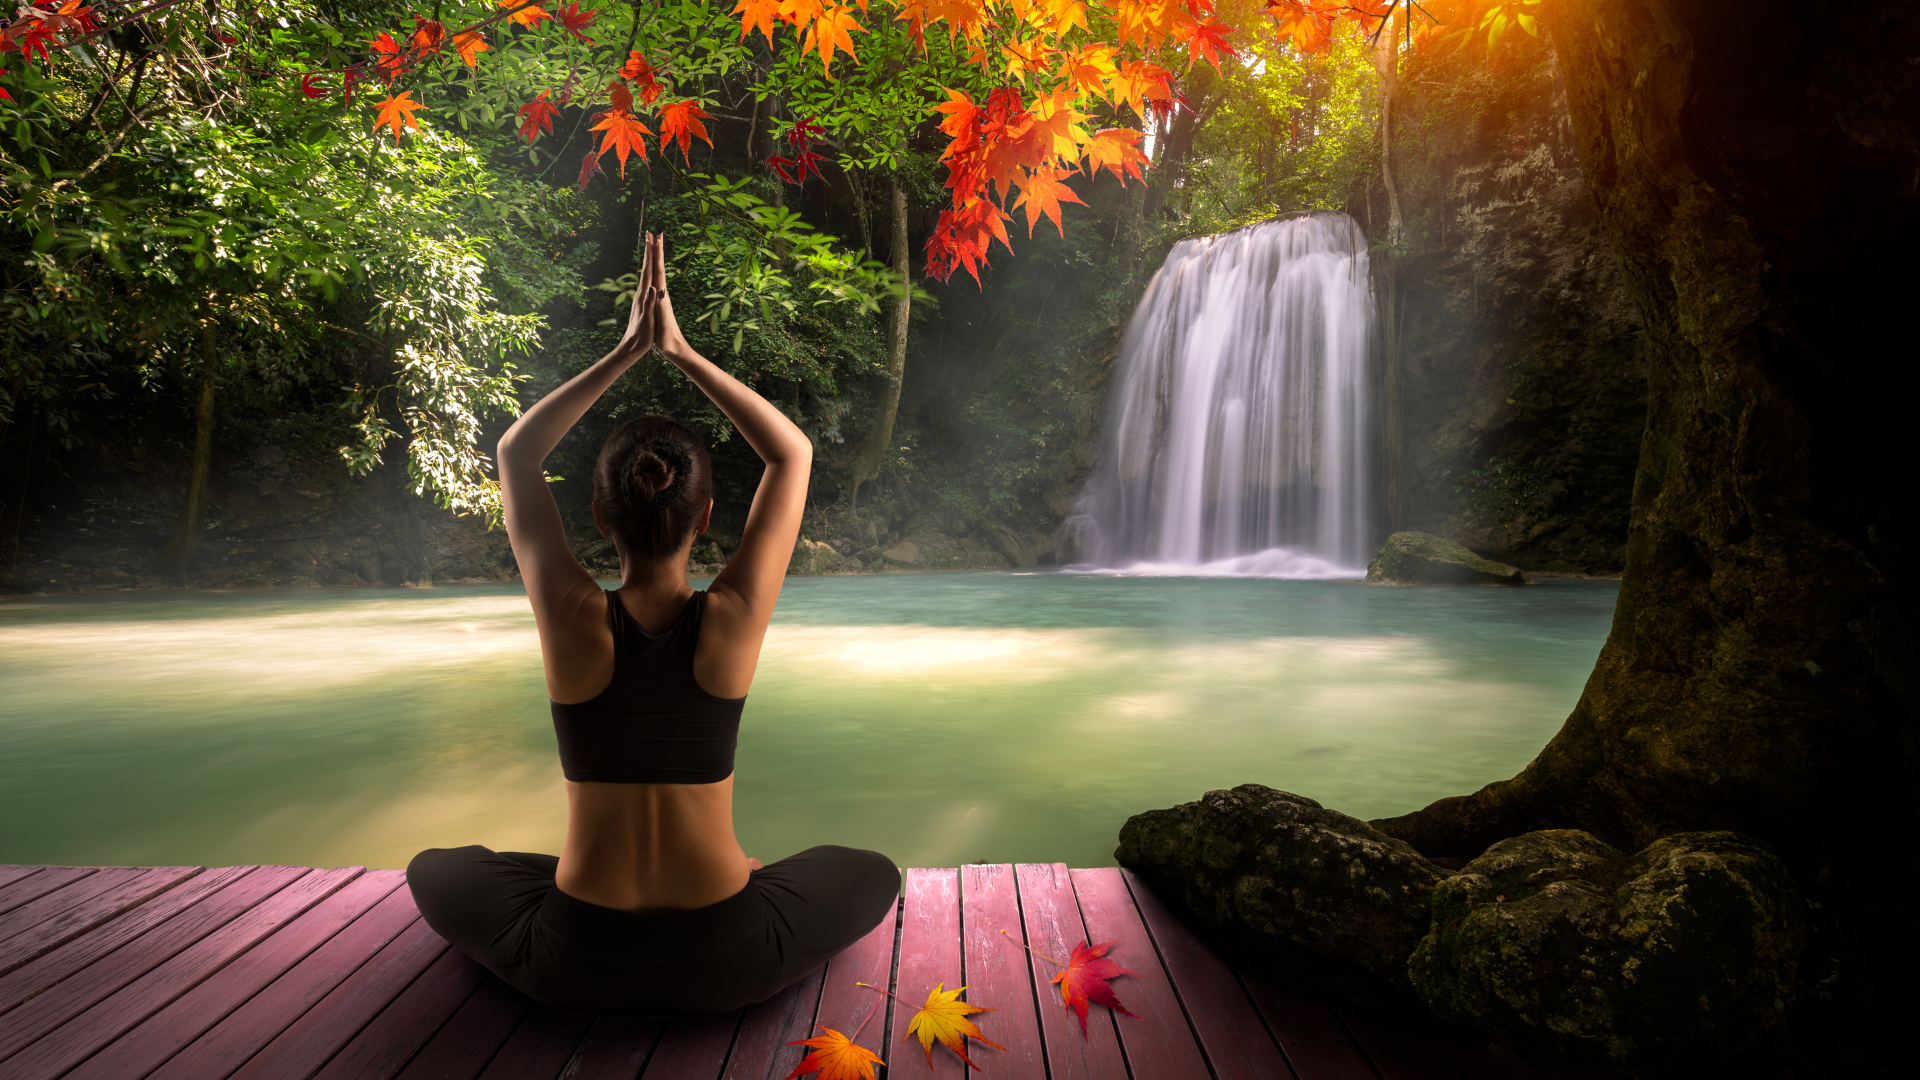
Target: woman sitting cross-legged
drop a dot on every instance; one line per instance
(652, 908)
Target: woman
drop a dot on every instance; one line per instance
(652, 908)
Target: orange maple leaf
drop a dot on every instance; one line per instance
(1042, 193)
(680, 122)
(427, 35)
(621, 97)
(397, 113)
(620, 132)
(1085, 978)
(944, 1017)
(470, 45)
(536, 116)
(528, 17)
(641, 74)
(1116, 150)
(1206, 41)
(1311, 30)
(757, 14)
(1140, 82)
(835, 1057)
(830, 32)
(1087, 69)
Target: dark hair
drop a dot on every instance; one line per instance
(652, 481)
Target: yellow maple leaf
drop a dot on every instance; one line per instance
(835, 1057)
(1116, 150)
(944, 1018)
(829, 32)
(397, 113)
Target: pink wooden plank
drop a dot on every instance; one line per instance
(997, 976)
(1480, 1063)
(760, 1050)
(319, 1033)
(1315, 1042)
(384, 1047)
(265, 1014)
(25, 891)
(12, 873)
(1161, 1043)
(85, 904)
(143, 1048)
(929, 957)
(541, 1046)
(35, 976)
(460, 1049)
(54, 1053)
(1232, 1035)
(848, 1007)
(693, 1049)
(1397, 1053)
(615, 1048)
(1052, 920)
(139, 955)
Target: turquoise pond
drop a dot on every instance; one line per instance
(939, 718)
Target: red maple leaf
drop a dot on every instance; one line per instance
(390, 60)
(427, 35)
(589, 168)
(309, 88)
(680, 122)
(643, 77)
(576, 20)
(1207, 40)
(1085, 978)
(536, 116)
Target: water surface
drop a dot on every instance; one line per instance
(939, 718)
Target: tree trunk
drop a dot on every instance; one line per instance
(186, 530)
(874, 451)
(1386, 59)
(1754, 168)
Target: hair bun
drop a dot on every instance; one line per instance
(651, 474)
(656, 475)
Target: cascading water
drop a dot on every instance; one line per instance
(1236, 441)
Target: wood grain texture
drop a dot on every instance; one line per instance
(384, 1046)
(77, 1039)
(1051, 916)
(135, 958)
(997, 975)
(1232, 1035)
(615, 1048)
(848, 1007)
(1396, 1052)
(541, 1046)
(265, 1014)
(15, 896)
(44, 971)
(693, 1049)
(467, 1042)
(929, 957)
(147, 1046)
(12, 872)
(1159, 1043)
(760, 1048)
(66, 913)
(309, 1042)
(1316, 1043)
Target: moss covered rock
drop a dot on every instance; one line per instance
(815, 557)
(1286, 881)
(1555, 942)
(1416, 558)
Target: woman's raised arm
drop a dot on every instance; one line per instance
(742, 597)
(557, 585)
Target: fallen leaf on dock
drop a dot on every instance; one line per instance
(944, 1017)
(1084, 979)
(835, 1057)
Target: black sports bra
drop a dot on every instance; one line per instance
(652, 724)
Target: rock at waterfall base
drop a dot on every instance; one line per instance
(1304, 891)
(1416, 558)
(1556, 943)
(815, 557)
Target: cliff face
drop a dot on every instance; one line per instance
(1523, 366)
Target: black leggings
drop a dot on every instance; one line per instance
(502, 909)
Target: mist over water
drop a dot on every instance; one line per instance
(1237, 439)
(939, 718)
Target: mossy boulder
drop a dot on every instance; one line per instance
(1553, 942)
(1290, 884)
(815, 557)
(1417, 558)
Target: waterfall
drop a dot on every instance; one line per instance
(1236, 438)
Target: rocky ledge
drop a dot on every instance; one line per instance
(1552, 943)
(1417, 558)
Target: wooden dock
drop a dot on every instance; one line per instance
(285, 972)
